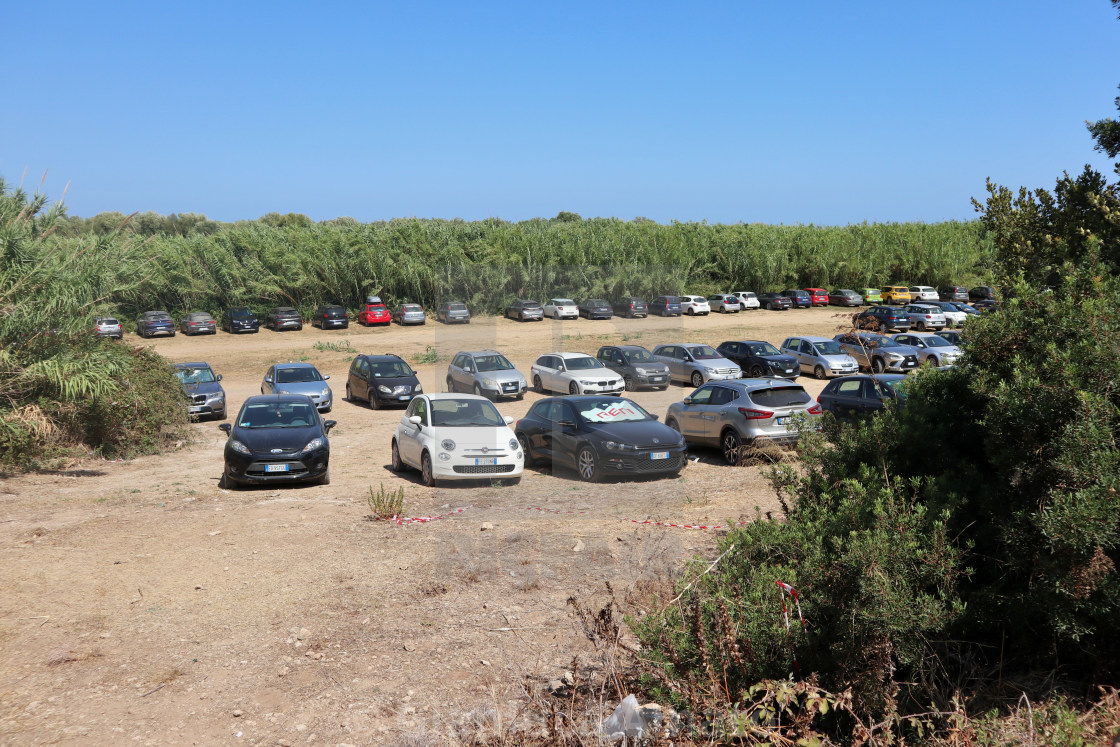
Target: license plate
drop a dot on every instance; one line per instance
(403, 397)
(276, 468)
(486, 460)
(782, 421)
(657, 378)
(509, 387)
(659, 455)
(195, 409)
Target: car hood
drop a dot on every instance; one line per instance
(639, 433)
(510, 374)
(781, 359)
(715, 363)
(209, 387)
(593, 373)
(394, 381)
(302, 387)
(475, 437)
(264, 440)
(656, 366)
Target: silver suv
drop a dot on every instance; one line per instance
(924, 316)
(486, 373)
(729, 414)
(934, 350)
(820, 356)
(878, 352)
(696, 363)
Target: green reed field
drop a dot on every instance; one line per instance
(488, 263)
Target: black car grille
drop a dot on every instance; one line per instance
(910, 360)
(482, 469)
(510, 386)
(198, 399)
(658, 465)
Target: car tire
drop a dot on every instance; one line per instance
(374, 401)
(691, 311)
(225, 483)
(349, 394)
(877, 365)
(697, 379)
(756, 372)
(820, 373)
(573, 388)
(427, 474)
(538, 385)
(587, 464)
(396, 463)
(672, 423)
(450, 385)
(630, 385)
(729, 444)
(921, 326)
(523, 442)
(478, 392)
(325, 479)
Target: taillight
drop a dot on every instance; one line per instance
(752, 414)
(815, 409)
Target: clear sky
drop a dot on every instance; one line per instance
(777, 112)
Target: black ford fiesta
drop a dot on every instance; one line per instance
(277, 438)
(599, 435)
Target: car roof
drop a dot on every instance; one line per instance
(625, 347)
(748, 342)
(377, 357)
(479, 352)
(753, 385)
(293, 365)
(282, 308)
(812, 338)
(873, 377)
(569, 356)
(275, 398)
(193, 364)
(436, 396)
(917, 334)
(813, 289)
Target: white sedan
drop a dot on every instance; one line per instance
(693, 305)
(574, 373)
(457, 437)
(561, 308)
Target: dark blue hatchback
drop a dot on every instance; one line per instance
(277, 438)
(665, 306)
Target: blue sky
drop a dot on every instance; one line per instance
(809, 112)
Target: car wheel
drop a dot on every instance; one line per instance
(756, 372)
(427, 476)
(877, 365)
(524, 443)
(691, 311)
(478, 391)
(326, 478)
(349, 394)
(921, 326)
(630, 385)
(573, 388)
(729, 444)
(587, 465)
(673, 424)
(450, 384)
(397, 464)
(538, 386)
(225, 483)
(819, 372)
(697, 379)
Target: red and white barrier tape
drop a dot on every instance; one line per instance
(685, 526)
(549, 510)
(425, 519)
(400, 520)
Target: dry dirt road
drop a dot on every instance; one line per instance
(142, 604)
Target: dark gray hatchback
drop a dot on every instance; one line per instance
(639, 369)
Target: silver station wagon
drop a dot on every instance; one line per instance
(696, 363)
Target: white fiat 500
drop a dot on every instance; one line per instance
(457, 437)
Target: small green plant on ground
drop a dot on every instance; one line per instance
(336, 347)
(430, 355)
(385, 503)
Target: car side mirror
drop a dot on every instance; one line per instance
(328, 424)
(416, 420)
(508, 419)
(655, 416)
(268, 379)
(326, 377)
(225, 428)
(688, 400)
(468, 368)
(219, 377)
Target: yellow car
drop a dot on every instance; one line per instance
(896, 294)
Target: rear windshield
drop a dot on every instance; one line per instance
(529, 304)
(456, 307)
(465, 413)
(157, 315)
(562, 302)
(596, 302)
(335, 311)
(580, 364)
(493, 363)
(638, 356)
(699, 299)
(297, 375)
(799, 294)
(780, 396)
(285, 312)
(672, 299)
(389, 369)
(412, 307)
(109, 320)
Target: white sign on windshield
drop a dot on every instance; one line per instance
(612, 413)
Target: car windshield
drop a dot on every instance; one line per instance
(883, 342)
(611, 410)
(277, 415)
(581, 364)
(464, 413)
(967, 308)
(389, 369)
(638, 356)
(703, 352)
(828, 347)
(192, 375)
(492, 363)
(762, 348)
(297, 375)
(780, 396)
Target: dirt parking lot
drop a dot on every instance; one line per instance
(143, 604)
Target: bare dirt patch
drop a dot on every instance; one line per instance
(144, 604)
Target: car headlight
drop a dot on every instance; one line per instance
(216, 396)
(513, 445)
(616, 446)
(490, 383)
(641, 371)
(444, 456)
(895, 357)
(315, 443)
(448, 444)
(384, 389)
(240, 448)
(585, 382)
(325, 392)
(418, 389)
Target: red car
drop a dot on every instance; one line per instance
(819, 296)
(374, 313)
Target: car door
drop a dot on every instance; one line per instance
(807, 356)
(695, 414)
(847, 398)
(718, 411)
(565, 433)
(612, 359)
(455, 371)
(410, 441)
(667, 355)
(268, 386)
(792, 346)
(872, 398)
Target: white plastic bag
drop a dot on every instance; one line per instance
(626, 721)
